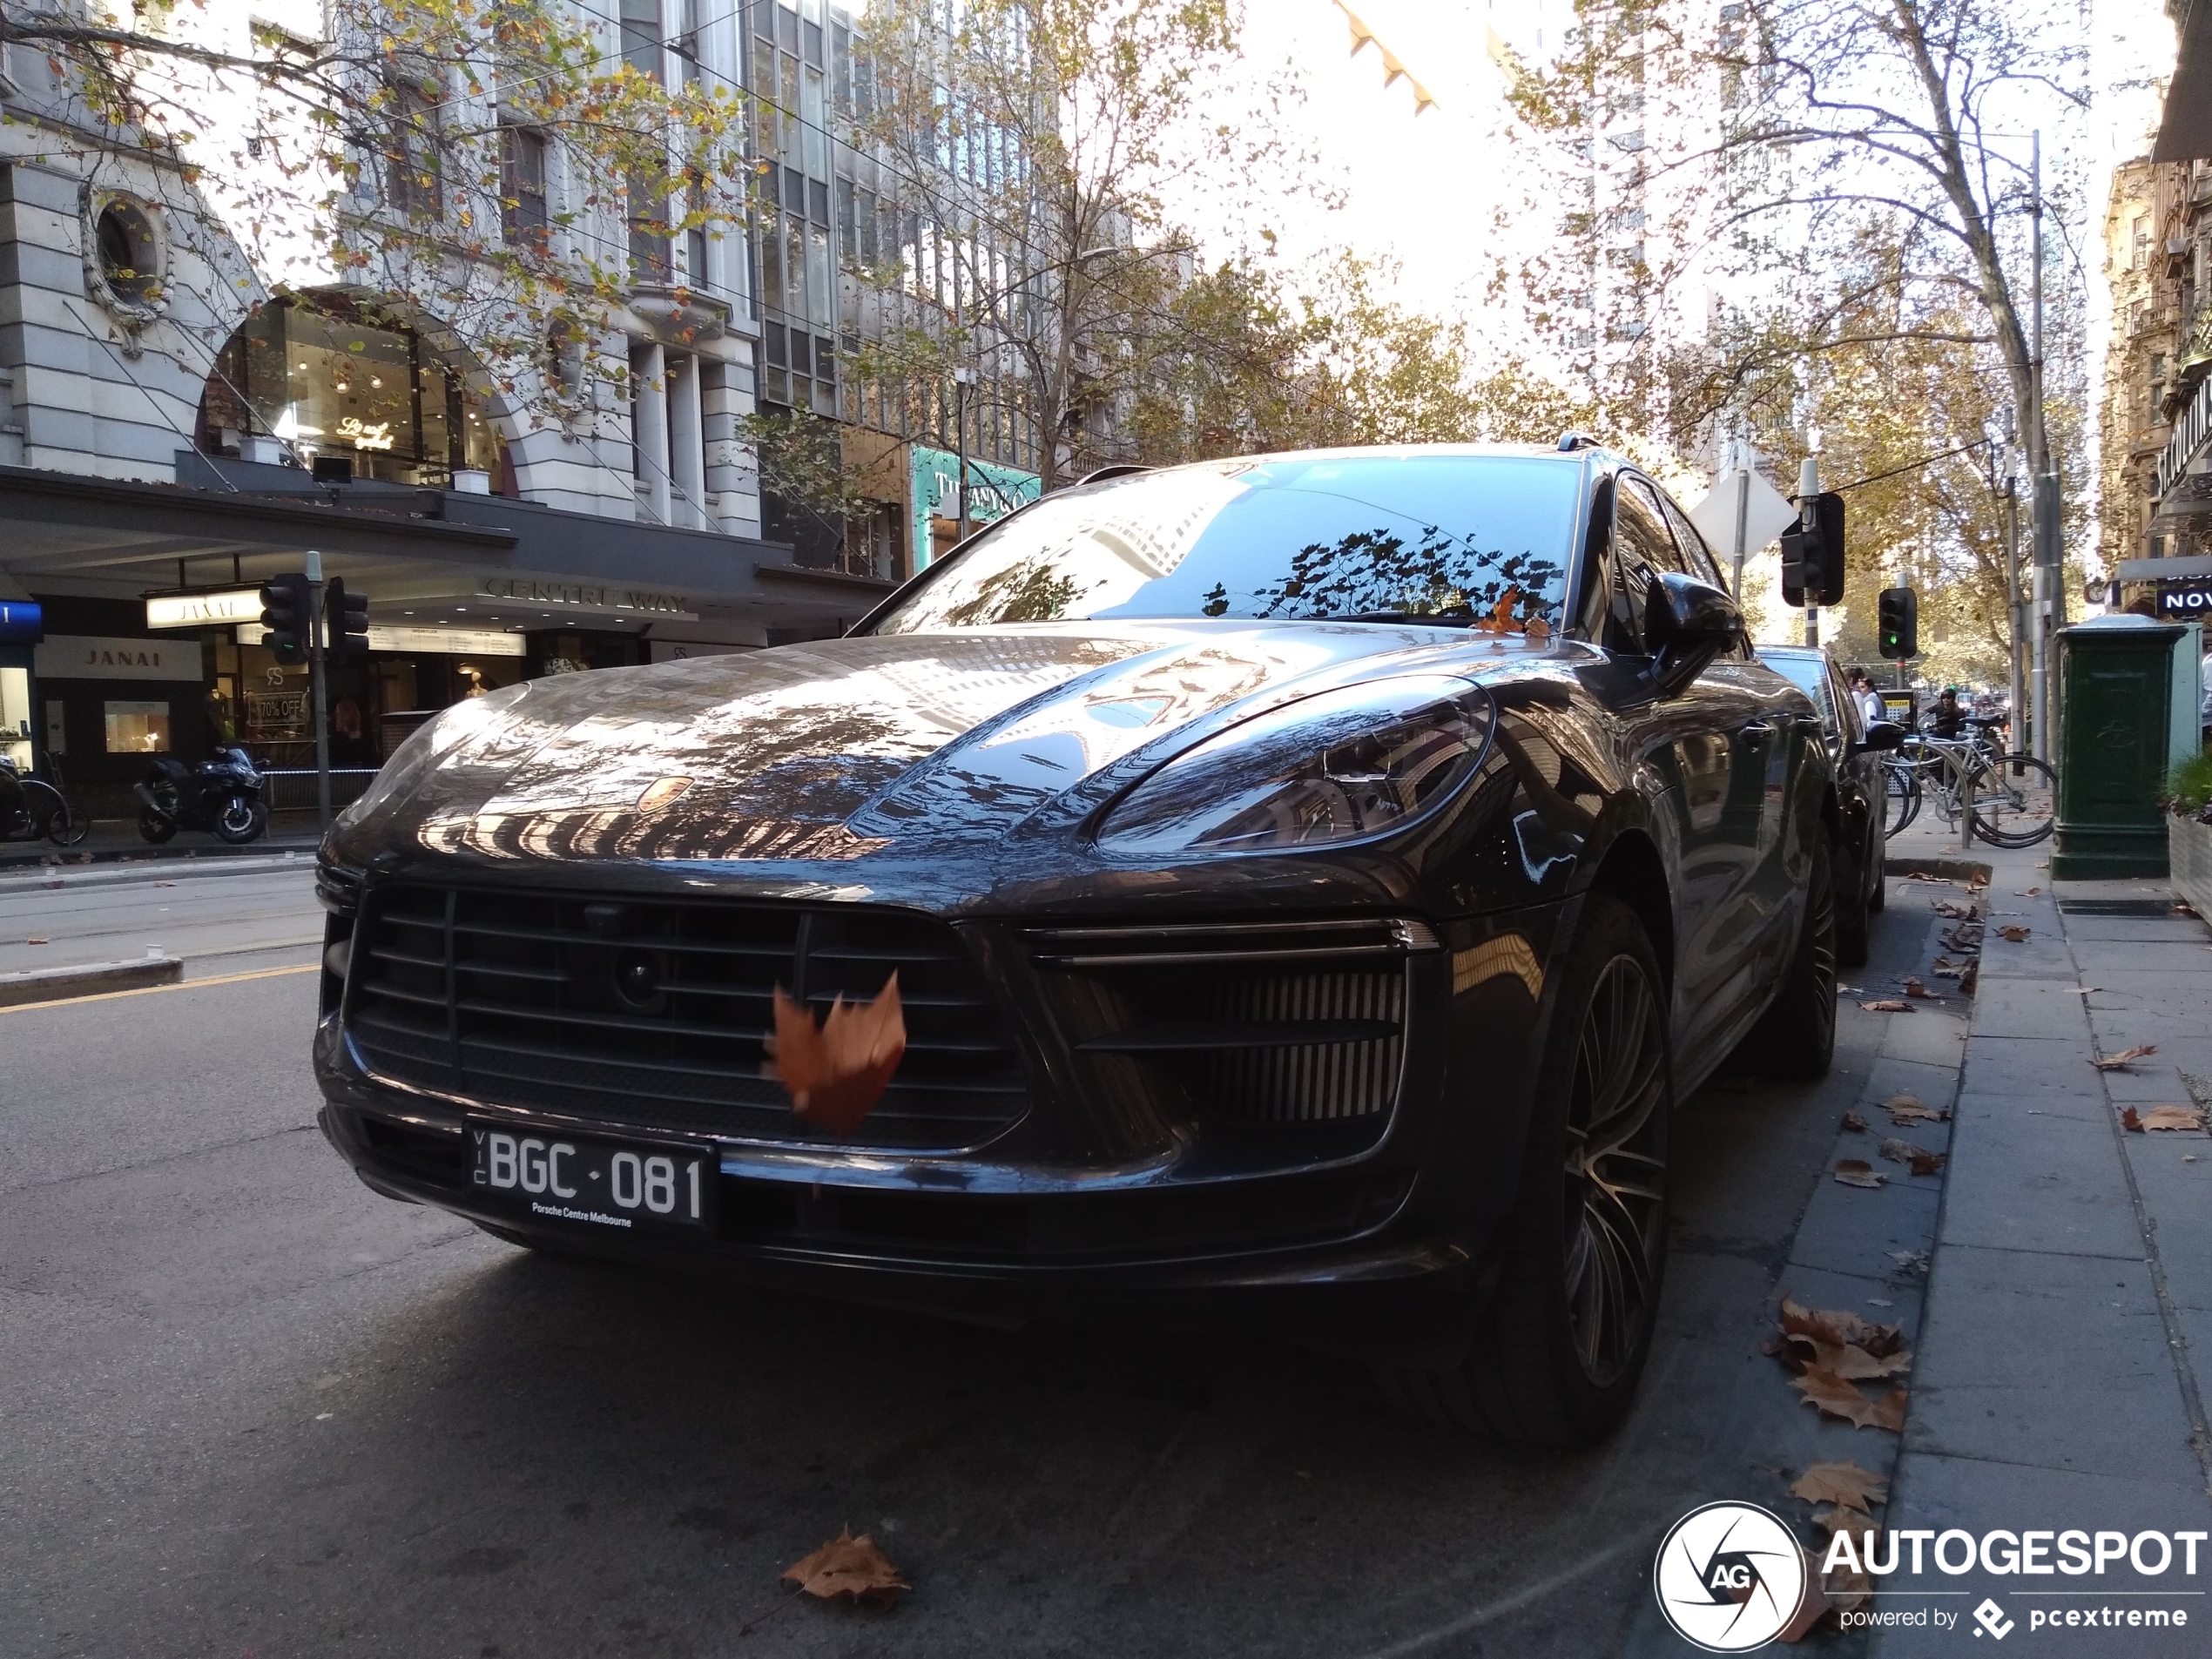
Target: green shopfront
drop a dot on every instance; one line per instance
(993, 492)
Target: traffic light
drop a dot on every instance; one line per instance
(1812, 559)
(1897, 623)
(345, 630)
(287, 612)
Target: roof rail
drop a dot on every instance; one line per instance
(1119, 470)
(1570, 441)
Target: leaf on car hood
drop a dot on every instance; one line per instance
(836, 1072)
(849, 1566)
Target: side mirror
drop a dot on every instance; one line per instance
(1689, 623)
(1882, 736)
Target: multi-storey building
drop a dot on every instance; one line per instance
(201, 384)
(2143, 362)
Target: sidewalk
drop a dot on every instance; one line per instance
(2070, 1307)
(117, 840)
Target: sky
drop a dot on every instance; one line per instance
(1425, 189)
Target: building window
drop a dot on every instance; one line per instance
(137, 728)
(642, 36)
(414, 160)
(130, 253)
(649, 242)
(524, 218)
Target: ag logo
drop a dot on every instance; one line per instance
(1730, 1577)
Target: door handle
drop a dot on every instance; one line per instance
(1757, 729)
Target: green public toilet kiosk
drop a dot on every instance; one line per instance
(2115, 741)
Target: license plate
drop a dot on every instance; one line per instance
(622, 1186)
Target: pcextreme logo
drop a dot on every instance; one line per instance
(1730, 1577)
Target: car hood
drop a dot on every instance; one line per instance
(843, 749)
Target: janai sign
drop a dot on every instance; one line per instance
(83, 656)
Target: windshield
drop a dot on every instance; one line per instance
(1482, 539)
(1808, 675)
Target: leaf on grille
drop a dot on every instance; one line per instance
(2125, 1058)
(853, 1568)
(836, 1072)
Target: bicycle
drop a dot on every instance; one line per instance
(2014, 796)
(43, 810)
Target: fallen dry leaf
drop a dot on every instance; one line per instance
(1857, 1172)
(1969, 980)
(836, 1072)
(1910, 1262)
(1812, 1607)
(1854, 1122)
(1918, 1159)
(1910, 1109)
(1914, 987)
(2184, 1118)
(2125, 1058)
(1922, 875)
(2129, 1121)
(1834, 1396)
(1840, 1326)
(849, 1566)
(1889, 1410)
(1539, 632)
(1887, 1005)
(1845, 1485)
(34, 941)
(2014, 932)
(1963, 912)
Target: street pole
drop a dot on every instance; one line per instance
(2045, 505)
(2014, 623)
(1743, 511)
(1809, 516)
(313, 627)
(962, 377)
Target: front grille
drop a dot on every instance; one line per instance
(652, 1013)
(1297, 1023)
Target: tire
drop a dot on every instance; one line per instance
(1557, 1351)
(157, 828)
(1795, 1038)
(57, 822)
(241, 819)
(2016, 801)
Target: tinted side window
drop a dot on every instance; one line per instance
(1696, 553)
(1643, 547)
(1844, 706)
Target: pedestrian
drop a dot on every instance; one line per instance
(1947, 720)
(1871, 706)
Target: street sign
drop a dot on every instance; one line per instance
(2187, 600)
(1763, 511)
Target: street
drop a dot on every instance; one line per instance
(254, 1408)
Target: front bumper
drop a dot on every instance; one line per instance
(1371, 1234)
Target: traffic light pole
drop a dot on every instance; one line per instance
(314, 631)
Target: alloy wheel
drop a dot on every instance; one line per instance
(1615, 1171)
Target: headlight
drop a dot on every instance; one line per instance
(1325, 768)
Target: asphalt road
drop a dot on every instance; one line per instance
(251, 1408)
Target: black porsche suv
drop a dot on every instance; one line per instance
(1310, 880)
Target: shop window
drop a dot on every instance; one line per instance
(137, 728)
(333, 379)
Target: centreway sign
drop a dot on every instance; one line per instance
(2187, 600)
(584, 595)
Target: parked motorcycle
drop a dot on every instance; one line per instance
(223, 794)
(31, 807)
